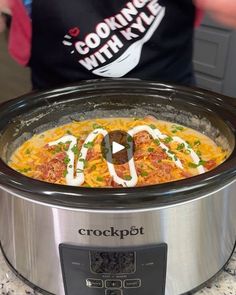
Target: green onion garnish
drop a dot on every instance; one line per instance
(168, 139)
(144, 174)
(152, 126)
(180, 147)
(89, 145)
(100, 179)
(150, 150)
(157, 142)
(67, 160)
(75, 149)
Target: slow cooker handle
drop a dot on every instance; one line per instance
(2, 103)
(230, 100)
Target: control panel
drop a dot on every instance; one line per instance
(109, 271)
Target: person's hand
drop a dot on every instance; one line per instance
(223, 11)
(4, 7)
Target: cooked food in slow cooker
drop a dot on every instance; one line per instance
(72, 154)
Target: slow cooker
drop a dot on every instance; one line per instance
(163, 239)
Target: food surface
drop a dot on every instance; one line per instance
(160, 152)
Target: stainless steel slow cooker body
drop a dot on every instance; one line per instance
(194, 218)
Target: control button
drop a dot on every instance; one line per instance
(136, 283)
(94, 283)
(113, 292)
(113, 284)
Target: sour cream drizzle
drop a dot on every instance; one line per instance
(77, 178)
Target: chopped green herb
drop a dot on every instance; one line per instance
(27, 152)
(79, 171)
(187, 152)
(170, 152)
(175, 158)
(65, 173)
(202, 163)
(157, 142)
(189, 144)
(127, 177)
(198, 153)
(75, 149)
(57, 149)
(129, 138)
(69, 132)
(67, 160)
(180, 147)
(100, 179)
(94, 167)
(193, 165)
(144, 174)
(84, 161)
(24, 170)
(71, 166)
(168, 139)
(89, 145)
(97, 126)
(150, 150)
(65, 148)
(152, 126)
(176, 128)
(197, 142)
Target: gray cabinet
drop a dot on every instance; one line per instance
(215, 57)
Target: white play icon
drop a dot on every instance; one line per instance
(116, 147)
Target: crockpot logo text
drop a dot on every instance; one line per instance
(112, 232)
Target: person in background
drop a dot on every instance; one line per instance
(71, 40)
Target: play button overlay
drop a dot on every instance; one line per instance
(118, 147)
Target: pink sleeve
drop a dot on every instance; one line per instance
(20, 33)
(199, 17)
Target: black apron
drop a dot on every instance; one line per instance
(77, 40)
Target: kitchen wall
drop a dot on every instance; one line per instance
(215, 57)
(14, 80)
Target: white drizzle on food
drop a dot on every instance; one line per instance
(76, 177)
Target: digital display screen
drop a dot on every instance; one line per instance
(112, 262)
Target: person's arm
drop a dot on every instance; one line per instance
(224, 11)
(19, 40)
(4, 8)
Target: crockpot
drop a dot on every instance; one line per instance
(162, 239)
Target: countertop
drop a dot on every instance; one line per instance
(224, 284)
